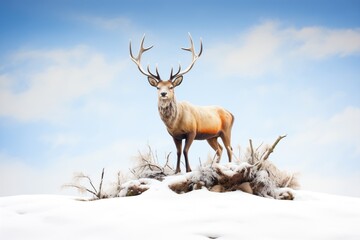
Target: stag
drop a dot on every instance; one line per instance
(182, 119)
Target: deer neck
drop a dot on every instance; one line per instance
(168, 111)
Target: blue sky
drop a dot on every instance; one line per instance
(71, 99)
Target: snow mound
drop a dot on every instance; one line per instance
(159, 213)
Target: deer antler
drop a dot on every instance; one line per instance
(137, 61)
(194, 59)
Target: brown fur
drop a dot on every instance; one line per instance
(186, 121)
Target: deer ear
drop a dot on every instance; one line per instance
(177, 81)
(152, 81)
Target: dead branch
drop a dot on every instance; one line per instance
(96, 192)
(148, 165)
(251, 151)
(80, 188)
(89, 179)
(262, 155)
(257, 149)
(271, 149)
(101, 183)
(119, 181)
(167, 161)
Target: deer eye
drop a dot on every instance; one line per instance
(157, 88)
(171, 87)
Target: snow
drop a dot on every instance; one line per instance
(160, 213)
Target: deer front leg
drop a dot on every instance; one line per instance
(178, 144)
(188, 141)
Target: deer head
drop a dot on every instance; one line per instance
(165, 87)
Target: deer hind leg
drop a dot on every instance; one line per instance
(227, 143)
(178, 144)
(216, 146)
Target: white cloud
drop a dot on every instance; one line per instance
(317, 42)
(62, 139)
(252, 54)
(342, 129)
(54, 55)
(269, 47)
(54, 79)
(116, 23)
(325, 148)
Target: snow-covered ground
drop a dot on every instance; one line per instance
(162, 214)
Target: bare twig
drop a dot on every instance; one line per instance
(119, 180)
(148, 165)
(257, 149)
(101, 183)
(80, 188)
(167, 161)
(251, 150)
(271, 149)
(89, 179)
(262, 155)
(96, 192)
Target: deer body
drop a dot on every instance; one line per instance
(185, 121)
(198, 123)
(205, 121)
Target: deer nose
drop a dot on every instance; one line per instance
(163, 94)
